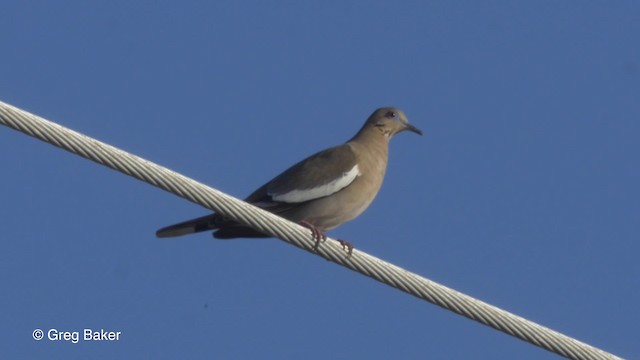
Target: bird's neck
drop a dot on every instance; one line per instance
(371, 136)
(373, 142)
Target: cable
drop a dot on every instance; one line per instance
(295, 234)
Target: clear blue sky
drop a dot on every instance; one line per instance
(523, 191)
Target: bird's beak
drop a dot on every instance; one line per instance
(413, 129)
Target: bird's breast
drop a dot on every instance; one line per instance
(345, 205)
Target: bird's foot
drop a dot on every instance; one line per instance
(346, 246)
(318, 235)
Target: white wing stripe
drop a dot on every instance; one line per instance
(301, 195)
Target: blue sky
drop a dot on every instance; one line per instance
(523, 192)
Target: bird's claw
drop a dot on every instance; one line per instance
(346, 246)
(318, 235)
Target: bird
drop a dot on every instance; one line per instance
(321, 192)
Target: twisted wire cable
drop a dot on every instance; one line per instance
(297, 235)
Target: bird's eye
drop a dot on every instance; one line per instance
(391, 114)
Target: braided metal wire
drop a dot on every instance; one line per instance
(297, 235)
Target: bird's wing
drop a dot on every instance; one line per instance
(319, 175)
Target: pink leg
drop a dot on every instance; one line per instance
(318, 235)
(347, 245)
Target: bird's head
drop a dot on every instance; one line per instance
(389, 121)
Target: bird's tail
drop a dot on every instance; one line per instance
(209, 222)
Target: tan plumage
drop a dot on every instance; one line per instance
(324, 190)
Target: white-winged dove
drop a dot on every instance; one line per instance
(322, 191)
